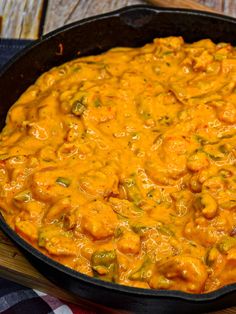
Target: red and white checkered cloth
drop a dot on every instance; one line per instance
(17, 299)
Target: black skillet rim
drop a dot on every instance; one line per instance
(196, 298)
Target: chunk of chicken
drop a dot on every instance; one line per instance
(184, 273)
(99, 220)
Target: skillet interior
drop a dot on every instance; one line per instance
(132, 26)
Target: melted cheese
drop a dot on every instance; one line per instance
(122, 165)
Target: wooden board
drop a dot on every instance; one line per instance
(15, 267)
(62, 12)
(21, 19)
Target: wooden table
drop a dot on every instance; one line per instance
(24, 19)
(21, 18)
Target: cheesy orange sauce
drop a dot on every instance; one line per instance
(122, 165)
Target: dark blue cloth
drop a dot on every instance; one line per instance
(14, 298)
(9, 47)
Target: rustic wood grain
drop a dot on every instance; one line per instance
(186, 4)
(214, 4)
(229, 7)
(15, 267)
(62, 12)
(21, 18)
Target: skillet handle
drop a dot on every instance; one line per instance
(187, 4)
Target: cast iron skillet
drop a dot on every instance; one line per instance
(131, 26)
